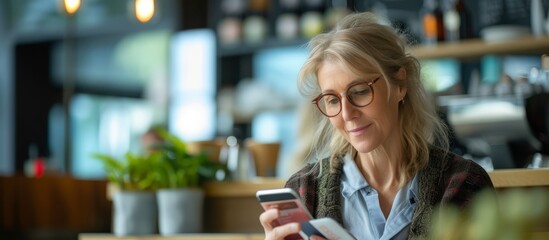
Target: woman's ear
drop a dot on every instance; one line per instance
(402, 89)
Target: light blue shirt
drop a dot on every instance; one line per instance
(362, 215)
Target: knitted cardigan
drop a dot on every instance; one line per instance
(446, 179)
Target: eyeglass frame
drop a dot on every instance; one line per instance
(316, 100)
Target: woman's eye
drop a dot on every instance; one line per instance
(332, 100)
(360, 91)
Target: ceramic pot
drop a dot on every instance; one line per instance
(134, 213)
(180, 210)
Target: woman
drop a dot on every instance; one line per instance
(386, 162)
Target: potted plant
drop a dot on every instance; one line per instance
(134, 202)
(172, 175)
(179, 175)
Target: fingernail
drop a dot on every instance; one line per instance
(296, 227)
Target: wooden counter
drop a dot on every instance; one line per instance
(177, 237)
(55, 206)
(228, 199)
(232, 207)
(520, 178)
(225, 200)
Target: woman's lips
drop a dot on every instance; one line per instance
(358, 131)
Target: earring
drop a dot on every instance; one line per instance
(402, 101)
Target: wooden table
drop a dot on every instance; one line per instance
(204, 236)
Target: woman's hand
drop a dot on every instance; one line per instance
(271, 228)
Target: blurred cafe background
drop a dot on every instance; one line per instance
(95, 78)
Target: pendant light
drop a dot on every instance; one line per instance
(144, 10)
(71, 6)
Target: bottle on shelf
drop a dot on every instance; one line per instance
(287, 20)
(336, 11)
(452, 20)
(537, 18)
(432, 21)
(255, 27)
(311, 24)
(312, 21)
(465, 19)
(287, 26)
(229, 30)
(229, 26)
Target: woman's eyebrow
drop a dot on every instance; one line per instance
(354, 81)
(363, 79)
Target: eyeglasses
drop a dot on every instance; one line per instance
(360, 94)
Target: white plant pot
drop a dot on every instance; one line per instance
(180, 210)
(135, 213)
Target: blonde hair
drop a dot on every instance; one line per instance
(308, 118)
(359, 41)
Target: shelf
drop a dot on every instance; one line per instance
(475, 48)
(471, 48)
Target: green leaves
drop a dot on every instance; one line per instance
(511, 214)
(131, 174)
(168, 165)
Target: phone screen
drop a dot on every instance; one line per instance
(290, 211)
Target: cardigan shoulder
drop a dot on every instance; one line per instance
(463, 180)
(305, 182)
(449, 178)
(304, 177)
(318, 184)
(446, 179)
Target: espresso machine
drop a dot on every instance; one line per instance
(537, 115)
(490, 128)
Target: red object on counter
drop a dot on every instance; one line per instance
(39, 167)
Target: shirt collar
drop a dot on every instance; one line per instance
(352, 180)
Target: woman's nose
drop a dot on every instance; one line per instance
(348, 110)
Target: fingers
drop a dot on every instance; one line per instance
(282, 231)
(274, 232)
(267, 219)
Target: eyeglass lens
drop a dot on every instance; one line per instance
(359, 95)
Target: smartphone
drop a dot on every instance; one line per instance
(287, 201)
(326, 228)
